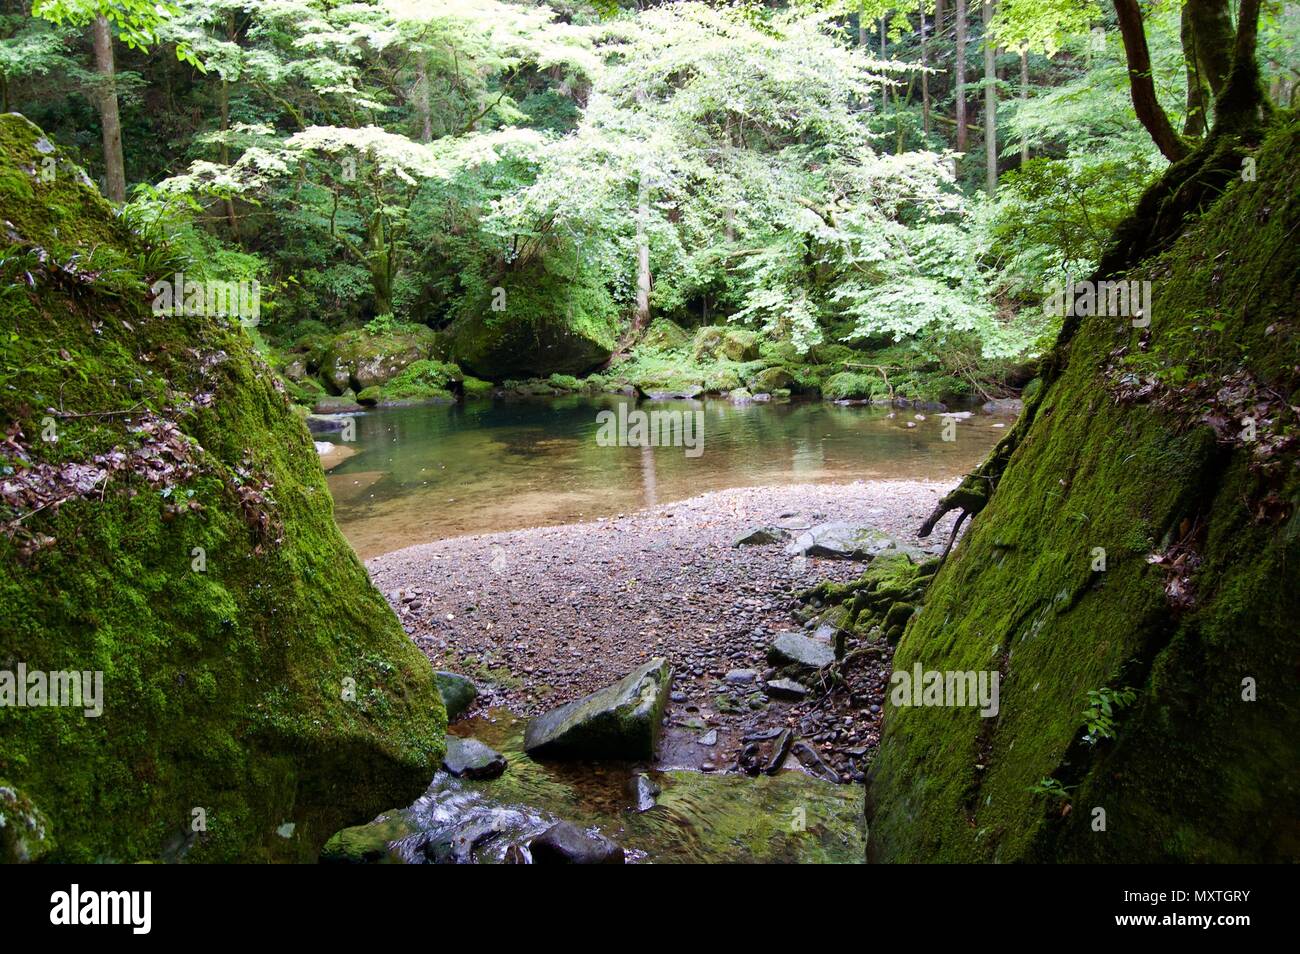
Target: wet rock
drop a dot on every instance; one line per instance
(568, 844)
(760, 536)
(621, 721)
(740, 677)
(844, 541)
(800, 650)
(786, 689)
(780, 748)
(456, 845)
(813, 762)
(365, 844)
(645, 791)
(457, 692)
(470, 758)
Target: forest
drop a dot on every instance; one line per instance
(649, 431)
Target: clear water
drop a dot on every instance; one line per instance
(434, 471)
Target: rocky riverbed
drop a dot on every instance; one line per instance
(542, 616)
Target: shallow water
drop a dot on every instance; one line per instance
(434, 471)
(696, 818)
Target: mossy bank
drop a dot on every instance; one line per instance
(166, 522)
(1142, 539)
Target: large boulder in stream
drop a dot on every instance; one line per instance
(177, 540)
(567, 844)
(361, 359)
(621, 721)
(470, 758)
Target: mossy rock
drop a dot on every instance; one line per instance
(664, 335)
(24, 830)
(359, 360)
(550, 325)
(473, 387)
(250, 669)
(721, 380)
(419, 382)
(851, 386)
(718, 342)
(1196, 769)
(770, 380)
(620, 721)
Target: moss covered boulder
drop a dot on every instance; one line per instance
(717, 342)
(1139, 548)
(536, 324)
(165, 527)
(362, 359)
(621, 721)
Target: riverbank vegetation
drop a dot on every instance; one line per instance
(606, 191)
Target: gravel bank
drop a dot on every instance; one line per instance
(542, 616)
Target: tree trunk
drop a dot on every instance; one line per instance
(110, 123)
(1024, 98)
(990, 102)
(1194, 124)
(641, 318)
(1210, 26)
(960, 78)
(925, 77)
(1141, 83)
(1242, 104)
(422, 107)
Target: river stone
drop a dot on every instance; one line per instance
(645, 791)
(760, 536)
(740, 677)
(567, 844)
(844, 541)
(457, 692)
(786, 689)
(621, 721)
(470, 758)
(800, 650)
(812, 761)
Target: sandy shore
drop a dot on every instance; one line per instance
(549, 614)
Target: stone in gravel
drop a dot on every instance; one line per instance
(567, 844)
(844, 541)
(621, 721)
(799, 650)
(786, 689)
(780, 748)
(740, 677)
(811, 761)
(470, 758)
(709, 738)
(760, 536)
(457, 692)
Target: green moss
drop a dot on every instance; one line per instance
(227, 685)
(716, 342)
(1196, 773)
(851, 385)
